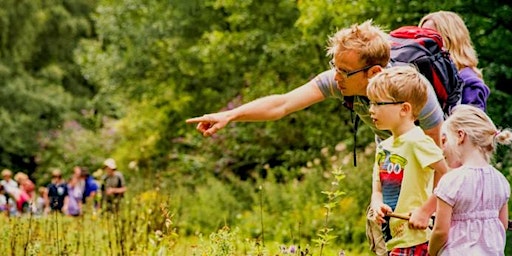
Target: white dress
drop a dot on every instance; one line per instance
(476, 195)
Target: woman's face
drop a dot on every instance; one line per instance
(429, 24)
(450, 146)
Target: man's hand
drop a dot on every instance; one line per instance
(109, 191)
(209, 124)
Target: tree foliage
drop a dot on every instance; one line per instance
(41, 84)
(131, 71)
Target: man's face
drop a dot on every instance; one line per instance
(351, 74)
(109, 171)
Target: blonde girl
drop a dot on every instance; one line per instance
(472, 199)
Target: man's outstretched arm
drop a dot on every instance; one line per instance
(272, 107)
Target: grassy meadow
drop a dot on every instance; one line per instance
(322, 213)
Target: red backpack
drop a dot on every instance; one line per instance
(424, 48)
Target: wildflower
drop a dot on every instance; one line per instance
(292, 249)
(282, 249)
(168, 223)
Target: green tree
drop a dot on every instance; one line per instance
(41, 84)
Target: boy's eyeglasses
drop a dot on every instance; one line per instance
(347, 74)
(382, 103)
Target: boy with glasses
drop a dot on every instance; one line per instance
(408, 164)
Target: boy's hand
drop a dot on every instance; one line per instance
(380, 211)
(418, 219)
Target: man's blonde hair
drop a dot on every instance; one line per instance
(369, 40)
(456, 38)
(401, 83)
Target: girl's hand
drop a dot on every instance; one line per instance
(419, 219)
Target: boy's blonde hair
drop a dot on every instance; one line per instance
(456, 38)
(401, 83)
(369, 40)
(478, 127)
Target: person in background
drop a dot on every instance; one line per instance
(77, 173)
(457, 41)
(7, 205)
(39, 204)
(407, 165)
(7, 181)
(75, 193)
(56, 196)
(113, 187)
(472, 199)
(25, 184)
(90, 187)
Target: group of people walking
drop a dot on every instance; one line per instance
(70, 196)
(425, 164)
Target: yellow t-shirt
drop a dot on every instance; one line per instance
(401, 166)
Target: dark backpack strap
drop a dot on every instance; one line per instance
(356, 126)
(348, 102)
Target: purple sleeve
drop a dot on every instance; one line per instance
(474, 92)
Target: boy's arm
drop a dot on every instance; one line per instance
(421, 216)
(377, 204)
(441, 227)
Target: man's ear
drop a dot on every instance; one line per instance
(374, 70)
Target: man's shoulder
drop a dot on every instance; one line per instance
(327, 85)
(118, 174)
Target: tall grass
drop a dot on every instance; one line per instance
(212, 217)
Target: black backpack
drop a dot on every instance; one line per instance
(424, 49)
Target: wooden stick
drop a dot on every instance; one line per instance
(398, 215)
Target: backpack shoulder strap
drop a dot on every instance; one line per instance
(348, 102)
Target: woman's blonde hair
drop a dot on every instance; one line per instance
(478, 127)
(369, 40)
(400, 83)
(456, 38)
(20, 176)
